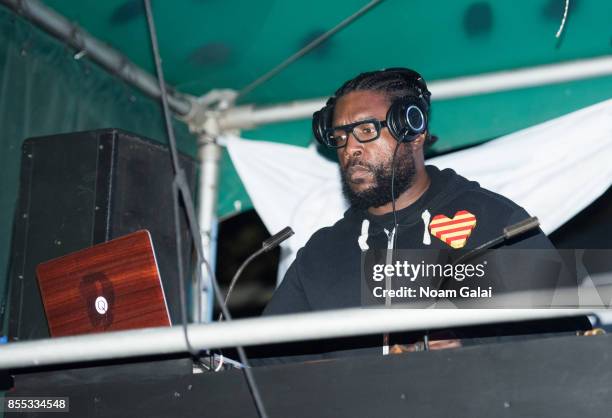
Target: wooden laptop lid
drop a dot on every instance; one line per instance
(108, 287)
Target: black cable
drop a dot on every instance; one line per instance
(179, 249)
(233, 283)
(268, 245)
(180, 188)
(395, 225)
(231, 287)
(241, 354)
(306, 49)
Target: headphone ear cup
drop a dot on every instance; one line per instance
(322, 122)
(406, 118)
(318, 126)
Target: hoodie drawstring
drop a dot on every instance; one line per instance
(426, 216)
(363, 238)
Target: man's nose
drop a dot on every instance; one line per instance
(353, 147)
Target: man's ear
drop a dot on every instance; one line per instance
(419, 141)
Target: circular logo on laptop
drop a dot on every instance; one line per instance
(101, 305)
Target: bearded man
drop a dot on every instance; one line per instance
(378, 123)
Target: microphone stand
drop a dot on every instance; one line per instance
(268, 245)
(509, 232)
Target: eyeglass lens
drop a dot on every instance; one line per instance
(363, 132)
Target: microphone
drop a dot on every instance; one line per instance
(509, 232)
(277, 238)
(521, 227)
(266, 246)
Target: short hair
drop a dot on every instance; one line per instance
(392, 82)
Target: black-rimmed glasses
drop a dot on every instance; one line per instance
(364, 131)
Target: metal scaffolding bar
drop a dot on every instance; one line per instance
(245, 332)
(248, 116)
(98, 51)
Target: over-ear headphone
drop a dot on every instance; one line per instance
(407, 116)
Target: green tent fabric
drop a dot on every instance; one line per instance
(227, 44)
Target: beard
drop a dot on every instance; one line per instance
(379, 193)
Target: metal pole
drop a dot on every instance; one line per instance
(248, 117)
(209, 155)
(85, 44)
(522, 78)
(244, 332)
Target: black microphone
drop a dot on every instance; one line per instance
(521, 227)
(277, 238)
(509, 232)
(266, 246)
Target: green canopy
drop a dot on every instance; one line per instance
(227, 44)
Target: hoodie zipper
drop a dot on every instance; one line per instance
(388, 260)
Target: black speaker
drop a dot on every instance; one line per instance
(82, 189)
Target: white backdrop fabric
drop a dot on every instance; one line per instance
(554, 170)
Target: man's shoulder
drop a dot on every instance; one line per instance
(492, 199)
(459, 188)
(469, 193)
(489, 211)
(457, 191)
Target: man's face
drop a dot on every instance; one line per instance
(366, 167)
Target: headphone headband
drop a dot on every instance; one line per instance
(415, 80)
(407, 116)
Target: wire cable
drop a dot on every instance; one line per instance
(179, 249)
(229, 292)
(181, 189)
(563, 20)
(393, 164)
(238, 274)
(305, 50)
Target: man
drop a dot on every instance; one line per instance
(376, 121)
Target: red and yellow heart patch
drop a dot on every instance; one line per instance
(456, 231)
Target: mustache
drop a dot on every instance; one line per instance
(358, 163)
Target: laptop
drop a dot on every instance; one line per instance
(108, 287)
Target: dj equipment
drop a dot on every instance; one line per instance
(512, 379)
(85, 188)
(406, 118)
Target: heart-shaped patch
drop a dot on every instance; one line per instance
(456, 231)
